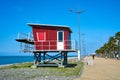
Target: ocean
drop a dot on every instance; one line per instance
(19, 59)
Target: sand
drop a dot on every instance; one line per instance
(101, 69)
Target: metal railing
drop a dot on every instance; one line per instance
(52, 45)
(45, 45)
(49, 46)
(28, 36)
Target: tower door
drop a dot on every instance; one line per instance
(60, 40)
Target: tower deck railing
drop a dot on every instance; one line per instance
(49, 45)
(28, 36)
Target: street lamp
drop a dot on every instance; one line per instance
(79, 38)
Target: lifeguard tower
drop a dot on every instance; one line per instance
(50, 44)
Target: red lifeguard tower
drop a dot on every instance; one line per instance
(48, 39)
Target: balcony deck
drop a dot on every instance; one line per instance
(37, 51)
(25, 41)
(27, 44)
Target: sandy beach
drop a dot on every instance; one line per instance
(102, 69)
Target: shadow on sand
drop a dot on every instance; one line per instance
(71, 65)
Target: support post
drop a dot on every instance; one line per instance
(44, 57)
(62, 60)
(65, 59)
(35, 59)
(61, 57)
(79, 58)
(39, 57)
(20, 46)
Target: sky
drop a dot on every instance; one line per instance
(98, 22)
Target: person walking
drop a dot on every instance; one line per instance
(93, 56)
(117, 56)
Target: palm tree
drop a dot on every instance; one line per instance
(117, 36)
(108, 49)
(98, 52)
(112, 46)
(101, 51)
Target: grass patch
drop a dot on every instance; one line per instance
(72, 69)
(20, 65)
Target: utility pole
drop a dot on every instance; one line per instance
(83, 46)
(79, 37)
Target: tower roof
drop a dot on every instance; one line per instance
(49, 25)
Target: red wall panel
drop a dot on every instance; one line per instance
(51, 38)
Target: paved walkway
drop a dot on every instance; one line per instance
(102, 69)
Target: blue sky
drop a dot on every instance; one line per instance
(99, 21)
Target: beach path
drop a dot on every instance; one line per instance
(102, 69)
